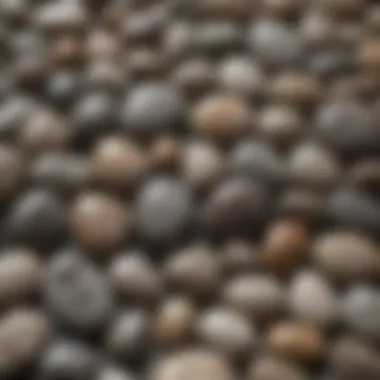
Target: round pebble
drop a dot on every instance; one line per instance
(77, 293)
(21, 275)
(174, 321)
(285, 246)
(226, 330)
(312, 299)
(152, 108)
(99, 222)
(163, 209)
(134, 277)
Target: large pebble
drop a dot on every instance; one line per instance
(346, 256)
(312, 299)
(77, 293)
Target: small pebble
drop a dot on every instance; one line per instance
(174, 321)
(285, 246)
(259, 296)
(226, 330)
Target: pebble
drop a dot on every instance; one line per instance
(134, 277)
(202, 164)
(361, 311)
(118, 162)
(68, 360)
(276, 44)
(280, 124)
(163, 209)
(221, 117)
(258, 296)
(128, 336)
(346, 256)
(346, 126)
(24, 334)
(351, 358)
(257, 160)
(99, 222)
(271, 368)
(38, 219)
(297, 342)
(166, 154)
(194, 270)
(192, 364)
(77, 293)
(237, 206)
(226, 330)
(312, 299)
(239, 256)
(354, 209)
(238, 74)
(174, 321)
(152, 108)
(285, 246)
(313, 166)
(21, 275)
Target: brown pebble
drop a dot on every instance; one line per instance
(21, 275)
(134, 278)
(118, 162)
(312, 165)
(67, 51)
(259, 296)
(369, 55)
(44, 132)
(229, 9)
(365, 175)
(202, 164)
(296, 89)
(280, 124)
(165, 154)
(346, 256)
(192, 364)
(284, 8)
(100, 223)
(271, 368)
(23, 335)
(173, 323)
(194, 270)
(285, 246)
(296, 342)
(221, 117)
(352, 359)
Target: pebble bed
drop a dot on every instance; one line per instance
(189, 190)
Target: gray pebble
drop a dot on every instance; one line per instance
(164, 209)
(77, 293)
(361, 311)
